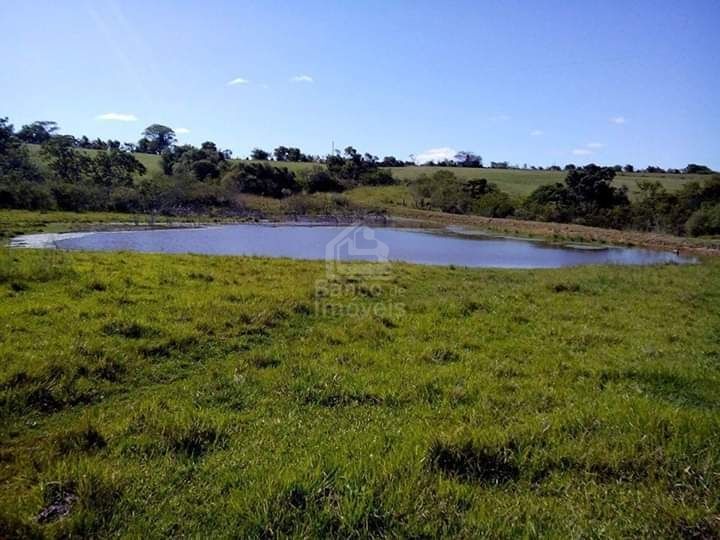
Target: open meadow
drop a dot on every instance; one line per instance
(157, 395)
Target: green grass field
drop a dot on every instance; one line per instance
(515, 182)
(155, 395)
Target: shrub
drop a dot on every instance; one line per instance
(320, 180)
(705, 221)
(26, 195)
(261, 179)
(78, 197)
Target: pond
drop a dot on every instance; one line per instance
(353, 243)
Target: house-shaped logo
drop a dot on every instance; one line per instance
(357, 243)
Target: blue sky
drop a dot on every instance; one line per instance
(545, 82)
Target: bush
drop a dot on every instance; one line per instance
(125, 199)
(320, 180)
(261, 179)
(705, 221)
(78, 197)
(494, 204)
(26, 195)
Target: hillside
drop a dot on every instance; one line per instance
(516, 182)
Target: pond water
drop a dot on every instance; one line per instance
(353, 243)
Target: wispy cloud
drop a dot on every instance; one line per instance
(618, 120)
(302, 78)
(500, 117)
(595, 145)
(582, 152)
(117, 117)
(435, 154)
(238, 80)
(181, 131)
(537, 132)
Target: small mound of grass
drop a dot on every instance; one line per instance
(19, 286)
(331, 391)
(565, 288)
(441, 355)
(129, 329)
(84, 439)
(468, 307)
(97, 286)
(188, 432)
(199, 276)
(470, 462)
(262, 360)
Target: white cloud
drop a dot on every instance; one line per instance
(238, 80)
(500, 118)
(595, 145)
(435, 154)
(181, 130)
(537, 132)
(582, 152)
(117, 117)
(618, 120)
(302, 78)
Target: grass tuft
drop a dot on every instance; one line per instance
(474, 463)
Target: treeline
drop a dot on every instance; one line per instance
(192, 179)
(586, 197)
(203, 179)
(470, 159)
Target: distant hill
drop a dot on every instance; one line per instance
(518, 182)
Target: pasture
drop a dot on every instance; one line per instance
(147, 395)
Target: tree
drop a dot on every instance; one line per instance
(37, 132)
(295, 155)
(476, 188)
(15, 163)
(391, 161)
(67, 164)
(281, 153)
(550, 202)
(694, 168)
(628, 168)
(156, 139)
(261, 179)
(468, 159)
(320, 180)
(591, 189)
(259, 154)
(204, 169)
(443, 190)
(351, 168)
(113, 168)
(196, 163)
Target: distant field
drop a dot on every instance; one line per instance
(514, 182)
(523, 182)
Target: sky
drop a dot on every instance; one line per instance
(542, 83)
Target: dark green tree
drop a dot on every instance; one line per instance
(156, 139)
(66, 163)
(258, 154)
(37, 132)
